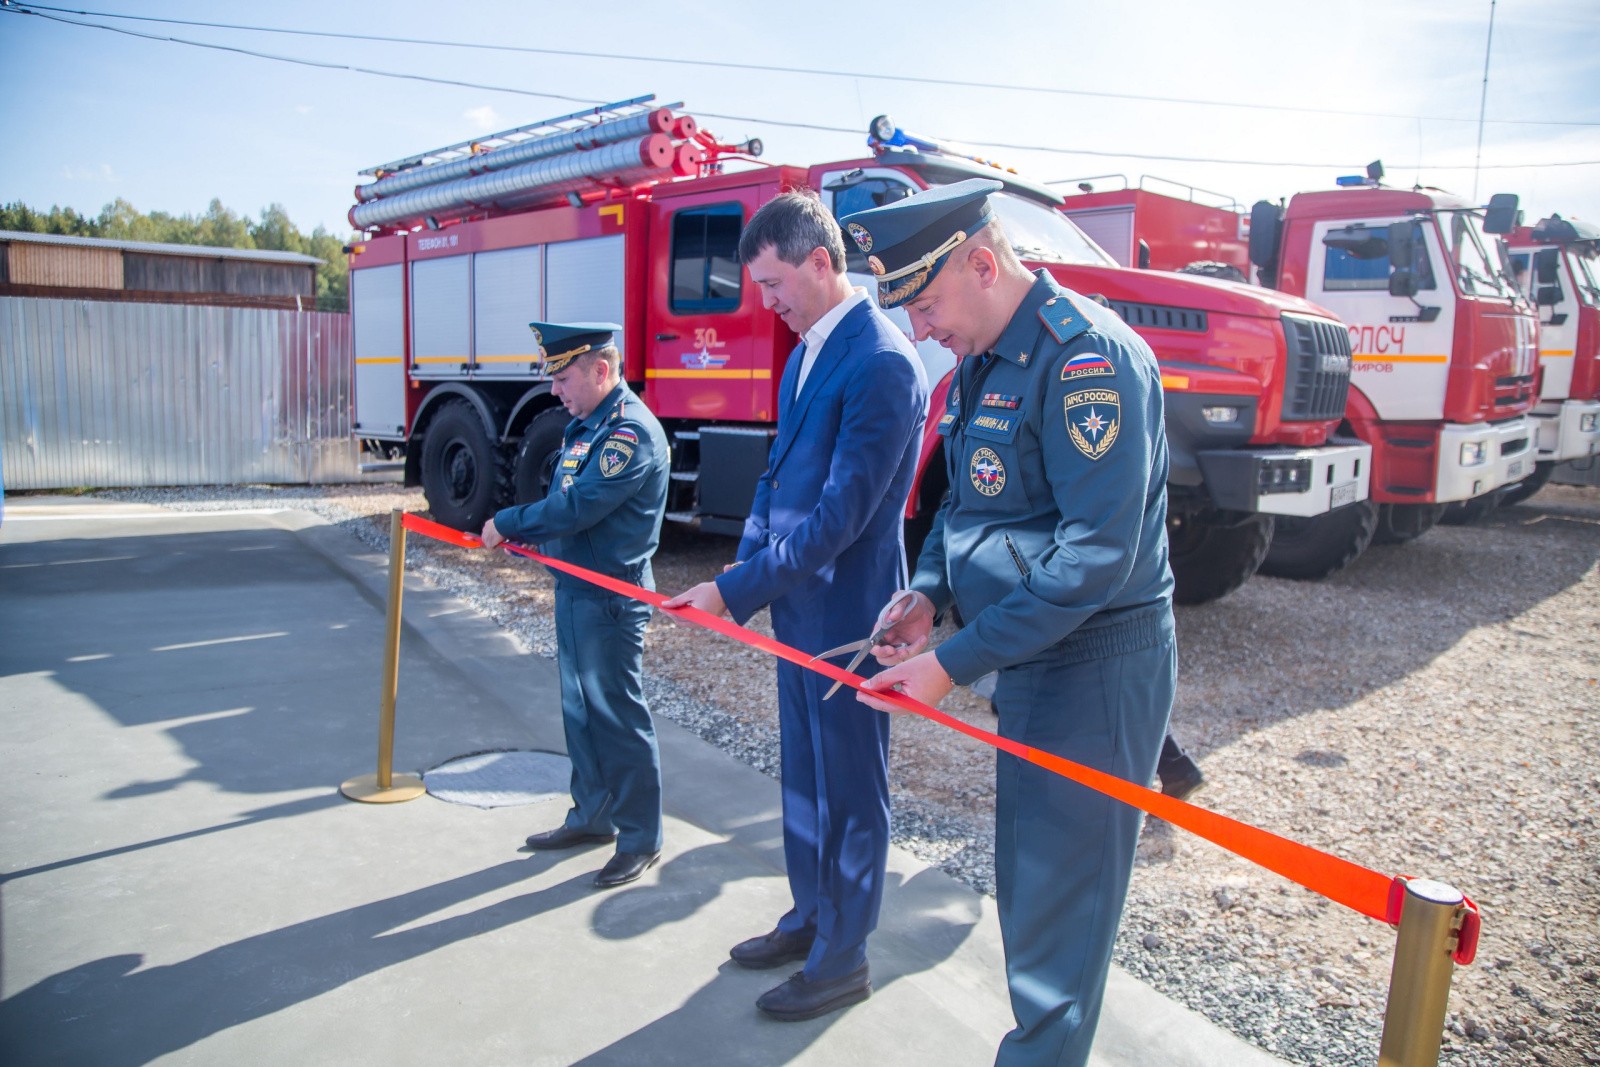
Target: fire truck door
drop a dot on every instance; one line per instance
(377, 319)
(441, 321)
(709, 351)
(1399, 362)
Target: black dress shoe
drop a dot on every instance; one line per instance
(1180, 777)
(625, 867)
(800, 998)
(565, 837)
(771, 950)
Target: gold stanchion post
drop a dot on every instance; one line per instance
(1419, 986)
(386, 787)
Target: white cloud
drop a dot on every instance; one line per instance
(484, 118)
(304, 109)
(98, 172)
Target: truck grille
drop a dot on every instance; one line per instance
(1159, 316)
(1318, 375)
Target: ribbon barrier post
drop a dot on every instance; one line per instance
(1432, 937)
(386, 787)
(1438, 925)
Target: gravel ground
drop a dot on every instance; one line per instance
(1431, 710)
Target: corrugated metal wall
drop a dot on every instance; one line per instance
(117, 394)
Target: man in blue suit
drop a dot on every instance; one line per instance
(823, 547)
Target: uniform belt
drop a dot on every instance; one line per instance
(1138, 629)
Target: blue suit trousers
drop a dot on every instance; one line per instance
(835, 817)
(1063, 852)
(611, 739)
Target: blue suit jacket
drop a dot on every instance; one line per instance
(823, 540)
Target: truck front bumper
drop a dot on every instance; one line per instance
(1302, 482)
(1567, 429)
(1480, 457)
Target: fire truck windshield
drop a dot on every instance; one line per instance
(1585, 271)
(1042, 234)
(1476, 272)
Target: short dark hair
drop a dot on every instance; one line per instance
(792, 224)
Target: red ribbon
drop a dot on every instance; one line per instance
(1359, 888)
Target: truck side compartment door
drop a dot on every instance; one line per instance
(377, 320)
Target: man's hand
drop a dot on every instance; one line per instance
(920, 678)
(491, 536)
(705, 596)
(909, 623)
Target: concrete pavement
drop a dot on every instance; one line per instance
(180, 695)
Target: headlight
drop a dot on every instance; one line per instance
(1220, 415)
(1473, 453)
(1283, 476)
(1586, 423)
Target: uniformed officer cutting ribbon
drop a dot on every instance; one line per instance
(1052, 544)
(603, 512)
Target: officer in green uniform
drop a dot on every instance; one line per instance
(603, 512)
(1052, 544)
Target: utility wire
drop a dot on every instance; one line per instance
(768, 69)
(10, 7)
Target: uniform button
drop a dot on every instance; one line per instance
(774, 483)
(1052, 300)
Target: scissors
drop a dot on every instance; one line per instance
(862, 647)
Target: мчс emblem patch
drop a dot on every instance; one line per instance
(987, 472)
(859, 234)
(1093, 420)
(614, 457)
(1086, 365)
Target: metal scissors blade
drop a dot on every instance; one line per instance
(862, 647)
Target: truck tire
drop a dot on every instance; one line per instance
(1468, 512)
(1529, 485)
(1399, 523)
(464, 475)
(534, 470)
(1209, 268)
(1309, 549)
(1211, 558)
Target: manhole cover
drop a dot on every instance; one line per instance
(500, 779)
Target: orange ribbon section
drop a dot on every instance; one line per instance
(1356, 887)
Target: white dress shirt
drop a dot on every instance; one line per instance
(817, 336)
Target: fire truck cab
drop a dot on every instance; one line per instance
(1557, 266)
(1444, 350)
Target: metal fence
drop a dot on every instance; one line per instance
(94, 393)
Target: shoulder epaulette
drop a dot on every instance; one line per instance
(1062, 318)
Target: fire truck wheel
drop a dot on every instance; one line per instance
(1399, 523)
(1207, 268)
(537, 456)
(1467, 512)
(464, 476)
(1211, 557)
(1529, 485)
(1309, 549)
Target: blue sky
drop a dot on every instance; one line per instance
(92, 115)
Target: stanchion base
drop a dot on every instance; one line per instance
(401, 787)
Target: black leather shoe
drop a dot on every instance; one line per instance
(1180, 777)
(800, 998)
(625, 867)
(771, 950)
(564, 837)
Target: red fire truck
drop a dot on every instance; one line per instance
(1161, 224)
(1443, 347)
(461, 259)
(1557, 264)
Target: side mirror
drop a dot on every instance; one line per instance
(1502, 214)
(1144, 254)
(1266, 223)
(1403, 282)
(1547, 266)
(1402, 248)
(1548, 296)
